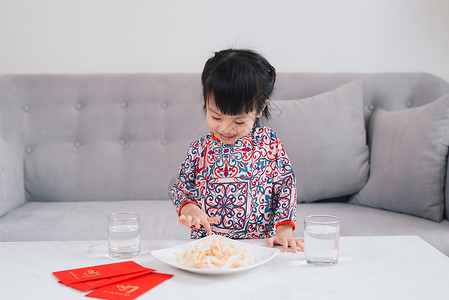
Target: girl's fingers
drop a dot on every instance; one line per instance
(209, 221)
(285, 245)
(207, 227)
(183, 220)
(293, 245)
(190, 221)
(300, 244)
(214, 219)
(197, 223)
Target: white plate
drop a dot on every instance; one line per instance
(261, 255)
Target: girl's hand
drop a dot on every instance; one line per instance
(192, 215)
(284, 237)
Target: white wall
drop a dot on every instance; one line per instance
(129, 36)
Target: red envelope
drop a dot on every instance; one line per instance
(130, 289)
(93, 284)
(98, 272)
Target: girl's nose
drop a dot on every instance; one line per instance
(228, 128)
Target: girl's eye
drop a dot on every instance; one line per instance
(239, 123)
(215, 118)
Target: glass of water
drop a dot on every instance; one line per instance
(124, 234)
(321, 239)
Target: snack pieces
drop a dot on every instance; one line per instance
(215, 253)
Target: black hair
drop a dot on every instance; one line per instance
(238, 81)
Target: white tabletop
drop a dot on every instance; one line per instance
(403, 267)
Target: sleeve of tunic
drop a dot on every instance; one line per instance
(284, 189)
(183, 191)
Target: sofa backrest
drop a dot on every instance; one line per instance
(105, 137)
(123, 136)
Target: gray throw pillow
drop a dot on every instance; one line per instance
(408, 160)
(325, 139)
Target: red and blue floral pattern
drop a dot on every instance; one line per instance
(250, 184)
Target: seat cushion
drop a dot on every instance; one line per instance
(61, 221)
(64, 221)
(359, 220)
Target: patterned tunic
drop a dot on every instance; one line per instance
(250, 184)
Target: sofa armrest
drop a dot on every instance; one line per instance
(12, 192)
(446, 193)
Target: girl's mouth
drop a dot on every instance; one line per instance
(227, 137)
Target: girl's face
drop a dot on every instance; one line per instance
(229, 128)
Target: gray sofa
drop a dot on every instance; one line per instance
(74, 148)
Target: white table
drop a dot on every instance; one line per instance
(379, 268)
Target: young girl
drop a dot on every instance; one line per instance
(237, 181)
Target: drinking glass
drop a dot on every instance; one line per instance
(321, 239)
(124, 234)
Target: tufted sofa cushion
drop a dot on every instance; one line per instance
(106, 137)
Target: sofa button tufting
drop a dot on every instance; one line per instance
(371, 107)
(28, 150)
(122, 142)
(26, 108)
(124, 104)
(164, 142)
(78, 106)
(409, 104)
(77, 144)
(164, 104)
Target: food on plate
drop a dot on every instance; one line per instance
(215, 253)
